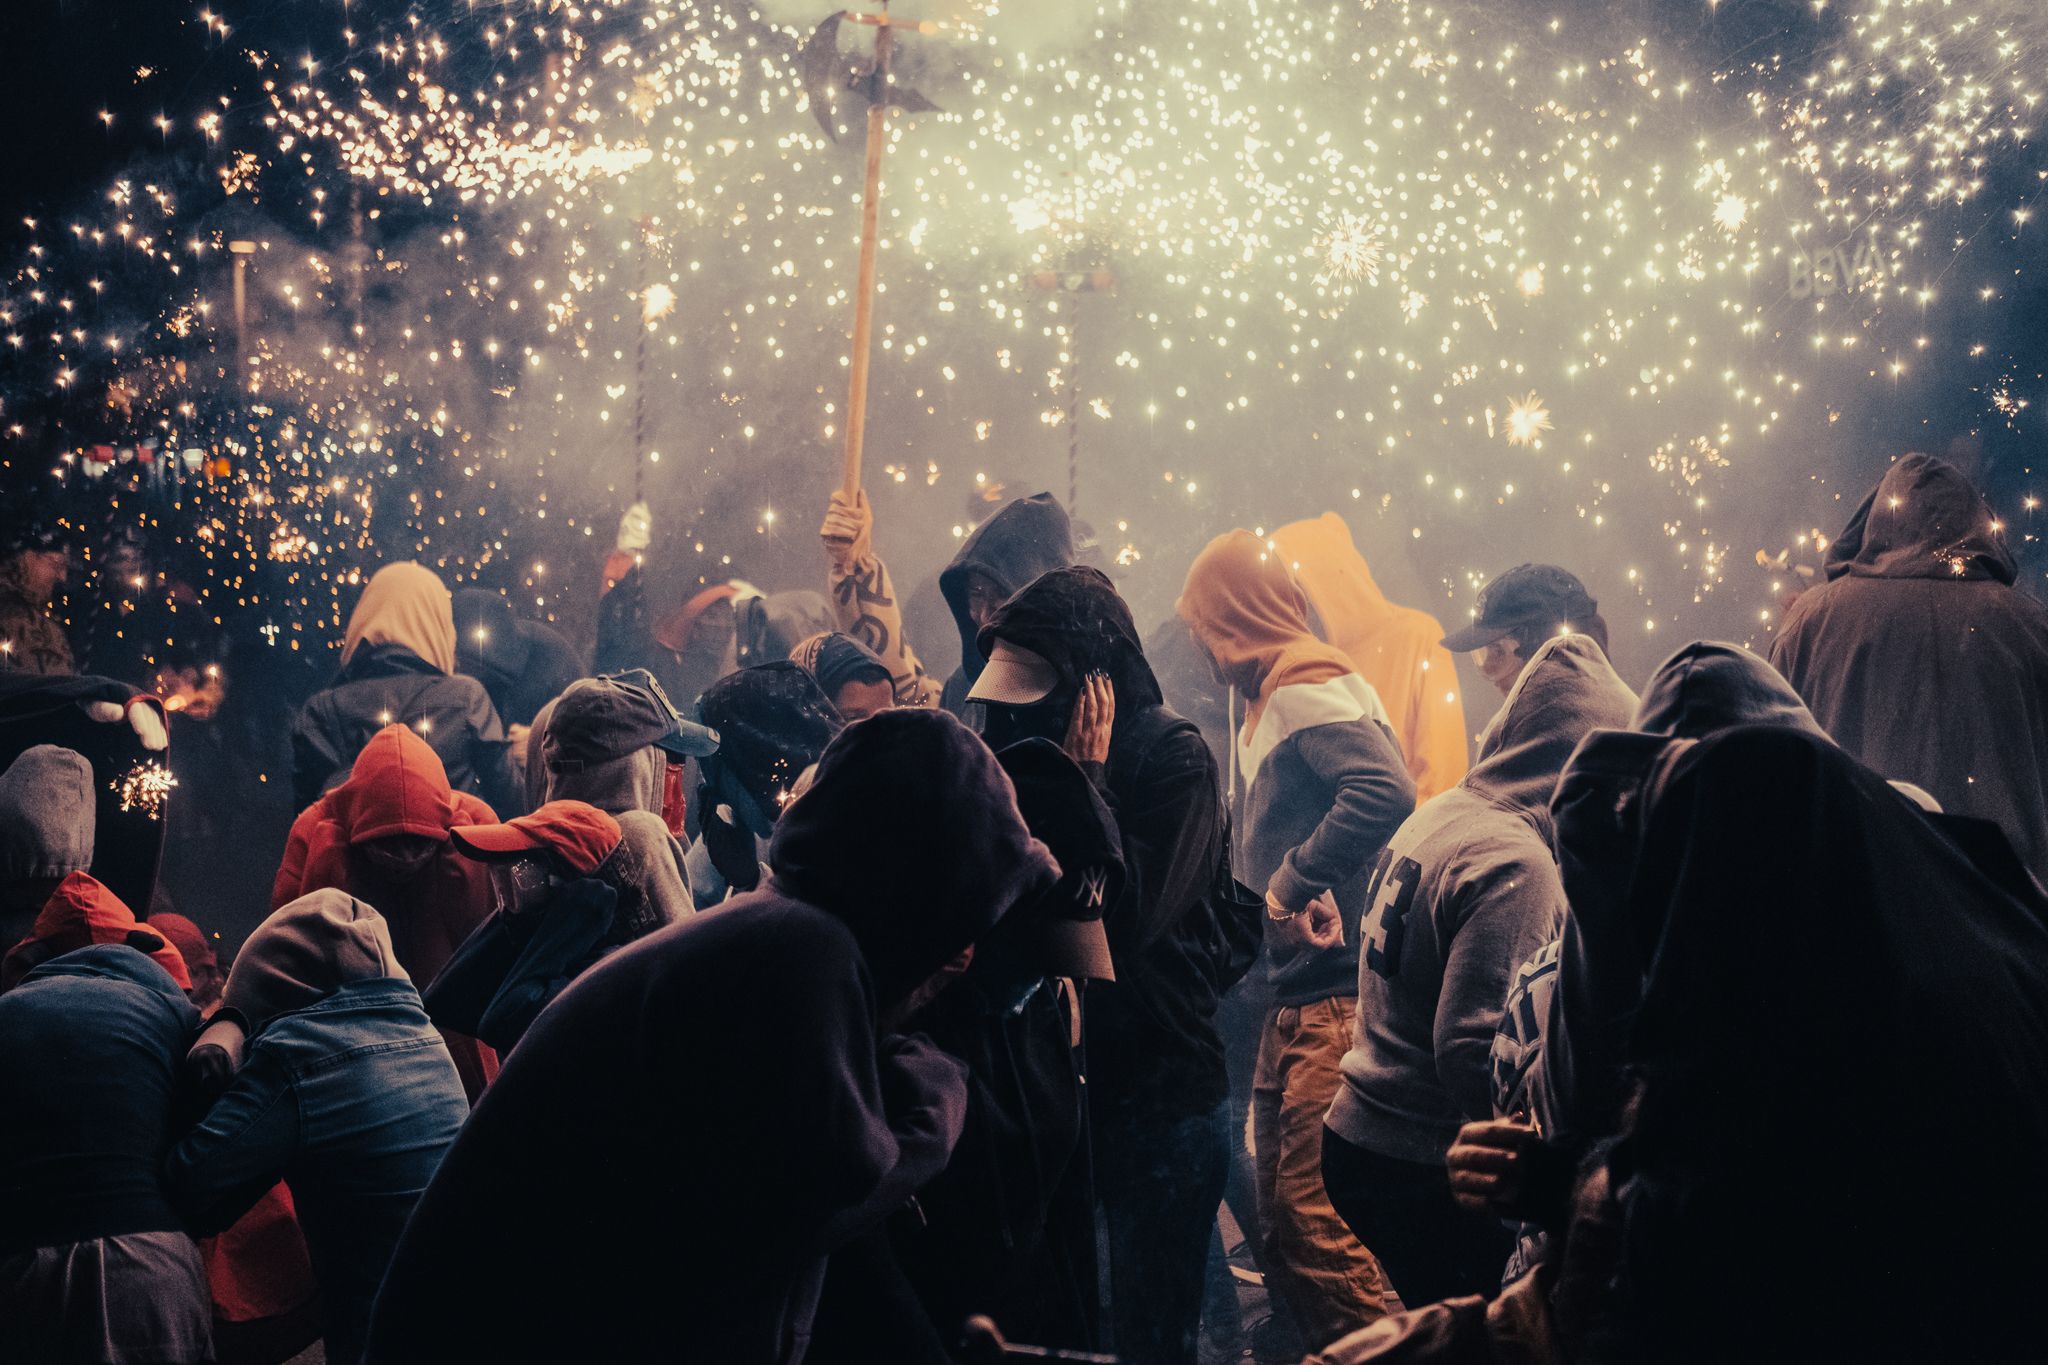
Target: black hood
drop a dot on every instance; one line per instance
(488, 642)
(773, 721)
(1817, 950)
(1074, 619)
(1923, 520)
(1029, 537)
(910, 835)
(1707, 687)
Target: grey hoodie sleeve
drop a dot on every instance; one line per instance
(1362, 764)
(1500, 914)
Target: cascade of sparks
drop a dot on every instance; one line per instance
(448, 280)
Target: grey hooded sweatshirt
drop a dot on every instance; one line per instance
(1465, 892)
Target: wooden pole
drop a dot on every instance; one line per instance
(864, 292)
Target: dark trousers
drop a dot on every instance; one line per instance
(1160, 1177)
(1430, 1249)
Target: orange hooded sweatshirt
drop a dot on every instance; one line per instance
(398, 786)
(1397, 649)
(80, 913)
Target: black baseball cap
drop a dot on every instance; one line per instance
(607, 717)
(1526, 595)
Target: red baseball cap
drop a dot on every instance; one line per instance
(576, 833)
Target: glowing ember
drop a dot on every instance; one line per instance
(146, 787)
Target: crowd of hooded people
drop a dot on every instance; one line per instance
(1701, 1022)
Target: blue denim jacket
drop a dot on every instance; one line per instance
(351, 1101)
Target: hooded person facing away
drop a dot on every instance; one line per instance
(1179, 933)
(616, 742)
(383, 836)
(46, 843)
(1731, 1212)
(1397, 649)
(1923, 660)
(1704, 689)
(570, 889)
(523, 664)
(1026, 538)
(1324, 788)
(398, 667)
(94, 1263)
(1464, 894)
(341, 1088)
(650, 1176)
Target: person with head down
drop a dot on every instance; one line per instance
(698, 1122)
(1008, 1229)
(772, 723)
(331, 1078)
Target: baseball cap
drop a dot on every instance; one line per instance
(1014, 676)
(1526, 595)
(607, 717)
(578, 834)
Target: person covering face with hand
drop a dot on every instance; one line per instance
(1064, 666)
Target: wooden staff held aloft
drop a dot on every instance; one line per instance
(825, 75)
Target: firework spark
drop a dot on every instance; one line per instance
(145, 787)
(1349, 250)
(1528, 419)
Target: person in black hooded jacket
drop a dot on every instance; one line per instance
(1008, 1230)
(1064, 663)
(694, 1126)
(1029, 537)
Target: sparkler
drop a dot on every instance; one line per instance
(145, 787)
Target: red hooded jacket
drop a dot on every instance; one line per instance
(80, 913)
(398, 787)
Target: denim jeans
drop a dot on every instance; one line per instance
(1160, 1177)
(1430, 1248)
(1313, 1263)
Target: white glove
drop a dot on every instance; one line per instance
(636, 528)
(142, 718)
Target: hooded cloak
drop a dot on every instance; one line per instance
(1397, 649)
(1820, 956)
(79, 914)
(635, 1101)
(398, 667)
(66, 712)
(1923, 661)
(1702, 690)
